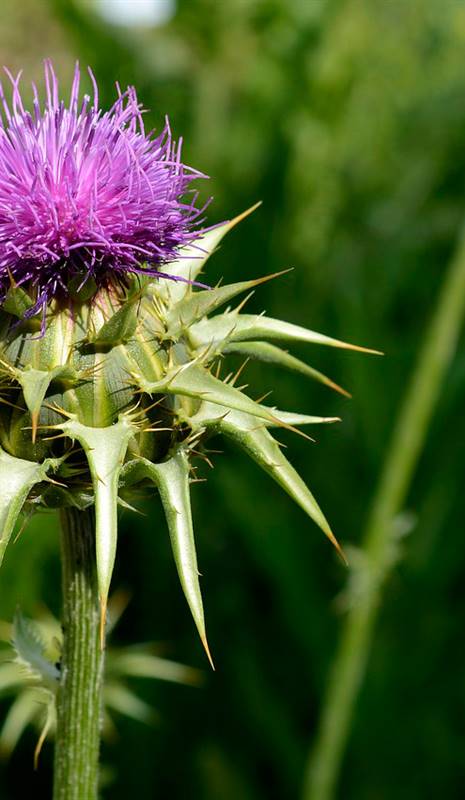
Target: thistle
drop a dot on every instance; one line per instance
(113, 357)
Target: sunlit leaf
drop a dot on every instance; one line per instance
(234, 327)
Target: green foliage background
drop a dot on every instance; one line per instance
(347, 118)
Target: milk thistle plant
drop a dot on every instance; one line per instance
(112, 363)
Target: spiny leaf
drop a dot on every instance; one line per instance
(234, 327)
(258, 443)
(192, 258)
(202, 303)
(17, 477)
(172, 480)
(193, 380)
(269, 353)
(105, 449)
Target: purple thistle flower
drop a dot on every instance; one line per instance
(87, 193)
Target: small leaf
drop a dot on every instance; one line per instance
(105, 449)
(172, 480)
(269, 353)
(234, 327)
(17, 477)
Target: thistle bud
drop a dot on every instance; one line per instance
(110, 348)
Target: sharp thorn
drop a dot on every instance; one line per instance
(241, 305)
(103, 617)
(34, 424)
(207, 651)
(359, 348)
(244, 214)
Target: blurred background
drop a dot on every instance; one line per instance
(347, 119)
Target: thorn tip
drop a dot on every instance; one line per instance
(103, 616)
(34, 425)
(207, 651)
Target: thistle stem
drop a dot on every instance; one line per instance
(406, 445)
(79, 695)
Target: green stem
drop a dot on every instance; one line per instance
(407, 442)
(79, 694)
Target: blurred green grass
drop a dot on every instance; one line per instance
(348, 120)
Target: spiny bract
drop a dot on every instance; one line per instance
(123, 393)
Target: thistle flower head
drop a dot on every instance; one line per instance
(122, 394)
(87, 193)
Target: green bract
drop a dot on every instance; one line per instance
(122, 391)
